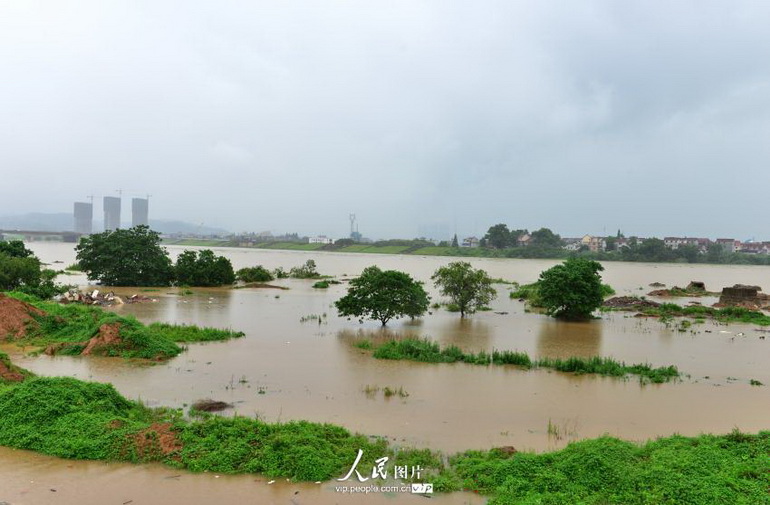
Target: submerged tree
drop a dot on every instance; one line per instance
(203, 268)
(383, 295)
(572, 290)
(469, 289)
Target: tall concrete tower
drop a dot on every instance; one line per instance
(111, 213)
(140, 211)
(84, 218)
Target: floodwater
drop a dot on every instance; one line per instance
(286, 369)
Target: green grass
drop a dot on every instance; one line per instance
(71, 326)
(724, 315)
(189, 333)
(74, 419)
(677, 470)
(321, 285)
(431, 352)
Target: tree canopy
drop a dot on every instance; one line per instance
(572, 290)
(383, 295)
(203, 268)
(468, 288)
(131, 257)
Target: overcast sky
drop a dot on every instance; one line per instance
(652, 117)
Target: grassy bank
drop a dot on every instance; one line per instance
(75, 419)
(75, 329)
(430, 352)
(702, 470)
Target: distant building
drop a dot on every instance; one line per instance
(677, 242)
(594, 244)
(321, 239)
(84, 218)
(470, 242)
(572, 244)
(111, 213)
(140, 211)
(524, 240)
(729, 245)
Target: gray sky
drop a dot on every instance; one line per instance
(653, 117)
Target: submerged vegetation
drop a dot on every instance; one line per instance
(667, 311)
(81, 329)
(430, 352)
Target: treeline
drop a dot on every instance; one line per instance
(134, 257)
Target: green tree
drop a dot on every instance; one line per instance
(545, 238)
(15, 249)
(469, 289)
(498, 236)
(454, 241)
(21, 270)
(131, 257)
(203, 268)
(383, 295)
(16, 272)
(572, 290)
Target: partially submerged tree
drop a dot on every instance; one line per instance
(383, 295)
(254, 274)
(468, 288)
(572, 290)
(203, 268)
(131, 257)
(21, 270)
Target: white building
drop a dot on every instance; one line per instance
(320, 239)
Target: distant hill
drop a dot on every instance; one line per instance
(36, 221)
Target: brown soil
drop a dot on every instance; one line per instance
(157, 440)
(210, 406)
(628, 302)
(6, 373)
(15, 315)
(108, 336)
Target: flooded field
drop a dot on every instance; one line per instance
(292, 366)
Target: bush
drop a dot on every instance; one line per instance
(254, 274)
(306, 271)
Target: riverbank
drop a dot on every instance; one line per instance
(76, 329)
(75, 419)
(421, 248)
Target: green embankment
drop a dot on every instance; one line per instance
(430, 352)
(68, 328)
(74, 419)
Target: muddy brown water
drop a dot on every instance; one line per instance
(288, 369)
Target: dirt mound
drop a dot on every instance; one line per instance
(628, 302)
(156, 441)
(739, 295)
(15, 315)
(210, 406)
(6, 373)
(108, 336)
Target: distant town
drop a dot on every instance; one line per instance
(498, 237)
